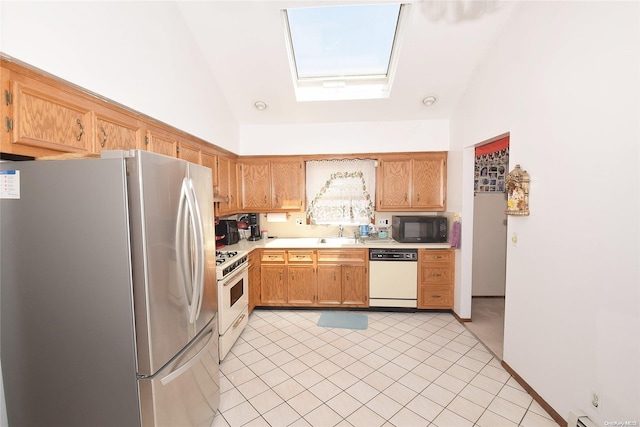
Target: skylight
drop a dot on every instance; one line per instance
(343, 52)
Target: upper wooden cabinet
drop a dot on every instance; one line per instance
(287, 185)
(45, 120)
(255, 184)
(272, 185)
(116, 131)
(227, 188)
(210, 160)
(191, 152)
(162, 142)
(418, 183)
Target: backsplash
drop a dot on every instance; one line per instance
(291, 228)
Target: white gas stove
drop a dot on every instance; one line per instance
(233, 297)
(228, 261)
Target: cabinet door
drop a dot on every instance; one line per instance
(189, 152)
(355, 285)
(301, 282)
(234, 191)
(329, 284)
(255, 187)
(162, 143)
(394, 181)
(45, 117)
(287, 185)
(254, 280)
(429, 183)
(209, 160)
(273, 286)
(116, 131)
(224, 185)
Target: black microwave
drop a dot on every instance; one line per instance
(419, 229)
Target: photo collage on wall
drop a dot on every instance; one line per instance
(490, 171)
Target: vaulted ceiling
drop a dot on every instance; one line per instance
(244, 44)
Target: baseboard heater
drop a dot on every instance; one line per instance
(579, 419)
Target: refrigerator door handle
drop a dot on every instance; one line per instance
(183, 249)
(188, 364)
(198, 282)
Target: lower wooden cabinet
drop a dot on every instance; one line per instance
(436, 278)
(273, 278)
(307, 277)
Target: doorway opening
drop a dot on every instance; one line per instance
(488, 279)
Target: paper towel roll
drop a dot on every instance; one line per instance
(277, 217)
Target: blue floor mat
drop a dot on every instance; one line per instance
(342, 320)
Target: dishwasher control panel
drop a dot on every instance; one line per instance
(393, 254)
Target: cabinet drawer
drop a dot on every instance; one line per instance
(273, 256)
(351, 256)
(300, 256)
(433, 274)
(435, 297)
(430, 255)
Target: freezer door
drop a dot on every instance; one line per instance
(186, 392)
(168, 240)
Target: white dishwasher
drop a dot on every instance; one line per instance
(393, 278)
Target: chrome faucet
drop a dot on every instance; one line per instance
(340, 230)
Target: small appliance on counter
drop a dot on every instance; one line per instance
(243, 227)
(254, 226)
(227, 230)
(419, 229)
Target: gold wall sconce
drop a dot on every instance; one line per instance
(517, 183)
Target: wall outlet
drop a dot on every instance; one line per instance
(299, 221)
(595, 400)
(383, 221)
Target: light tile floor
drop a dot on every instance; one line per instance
(404, 370)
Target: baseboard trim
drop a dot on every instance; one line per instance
(460, 319)
(556, 417)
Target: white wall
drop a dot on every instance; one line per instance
(563, 79)
(340, 138)
(139, 54)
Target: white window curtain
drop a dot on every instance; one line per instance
(341, 191)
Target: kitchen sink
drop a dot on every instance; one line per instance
(338, 241)
(292, 242)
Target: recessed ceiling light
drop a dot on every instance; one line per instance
(429, 100)
(260, 105)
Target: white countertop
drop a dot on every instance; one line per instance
(329, 242)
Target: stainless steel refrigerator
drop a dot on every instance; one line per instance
(108, 292)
